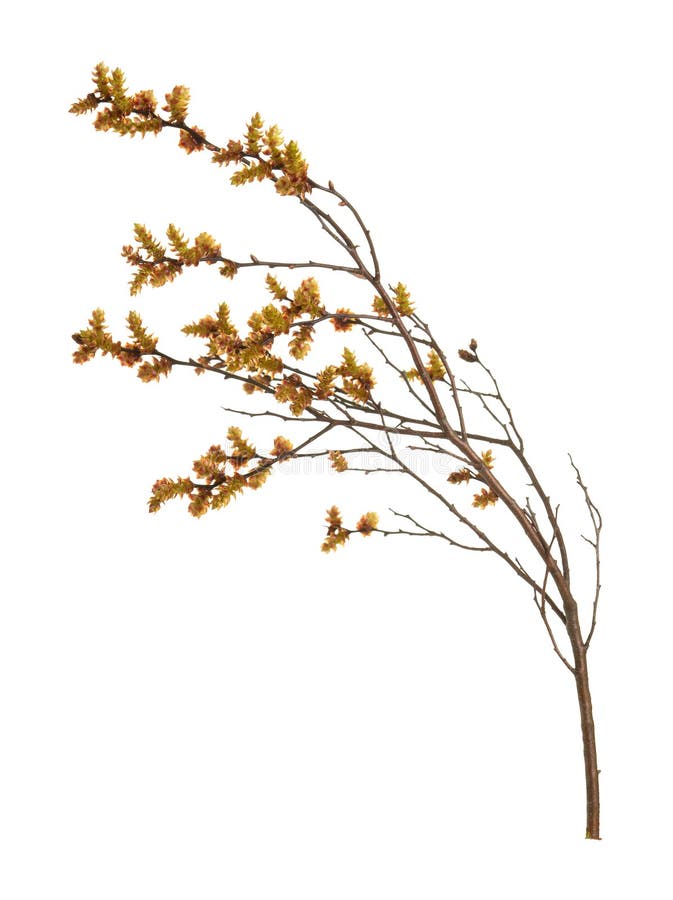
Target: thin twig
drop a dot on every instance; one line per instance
(597, 522)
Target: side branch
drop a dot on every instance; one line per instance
(428, 532)
(541, 605)
(597, 523)
(481, 535)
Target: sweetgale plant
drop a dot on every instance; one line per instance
(426, 407)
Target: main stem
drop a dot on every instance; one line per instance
(589, 742)
(459, 440)
(581, 674)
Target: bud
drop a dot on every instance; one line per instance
(467, 356)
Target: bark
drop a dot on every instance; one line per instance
(591, 770)
(581, 675)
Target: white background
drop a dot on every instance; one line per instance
(215, 709)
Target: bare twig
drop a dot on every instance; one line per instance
(597, 523)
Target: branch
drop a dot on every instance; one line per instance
(515, 565)
(427, 532)
(597, 523)
(505, 406)
(254, 262)
(544, 598)
(398, 369)
(288, 171)
(550, 632)
(358, 218)
(449, 372)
